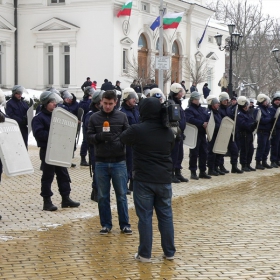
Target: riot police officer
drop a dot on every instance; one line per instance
(265, 125)
(94, 107)
(16, 108)
(275, 134)
(226, 111)
(84, 104)
(199, 117)
(130, 108)
(246, 125)
(41, 127)
(213, 159)
(177, 154)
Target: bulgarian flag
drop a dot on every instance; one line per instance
(172, 20)
(126, 9)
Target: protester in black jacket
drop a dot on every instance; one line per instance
(87, 83)
(152, 144)
(110, 161)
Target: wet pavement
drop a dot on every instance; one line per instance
(225, 228)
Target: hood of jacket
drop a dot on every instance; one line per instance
(150, 109)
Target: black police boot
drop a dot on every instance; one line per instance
(245, 168)
(235, 169)
(259, 165)
(212, 172)
(48, 205)
(193, 175)
(251, 168)
(174, 178)
(83, 161)
(266, 165)
(203, 175)
(94, 195)
(179, 176)
(274, 164)
(68, 202)
(223, 169)
(217, 169)
(0, 217)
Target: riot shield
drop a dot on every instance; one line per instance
(13, 153)
(30, 117)
(234, 127)
(210, 127)
(276, 116)
(223, 136)
(80, 117)
(258, 118)
(191, 135)
(62, 137)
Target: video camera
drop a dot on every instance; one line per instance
(170, 113)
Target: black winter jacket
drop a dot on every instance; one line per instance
(114, 150)
(152, 144)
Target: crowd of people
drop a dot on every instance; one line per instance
(128, 146)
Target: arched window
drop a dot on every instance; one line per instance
(142, 42)
(175, 48)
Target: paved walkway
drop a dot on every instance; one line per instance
(225, 228)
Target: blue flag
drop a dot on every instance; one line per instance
(155, 24)
(201, 39)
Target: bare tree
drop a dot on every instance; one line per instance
(252, 63)
(196, 69)
(134, 72)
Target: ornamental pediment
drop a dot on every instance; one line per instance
(126, 41)
(5, 25)
(55, 24)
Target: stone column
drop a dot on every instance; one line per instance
(40, 65)
(73, 67)
(57, 73)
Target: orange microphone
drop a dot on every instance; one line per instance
(106, 127)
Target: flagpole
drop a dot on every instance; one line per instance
(160, 71)
(173, 35)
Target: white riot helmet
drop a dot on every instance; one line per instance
(242, 101)
(47, 97)
(156, 92)
(261, 98)
(195, 95)
(175, 89)
(223, 96)
(89, 91)
(276, 95)
(96, 97)
(129, 93)
(209, 98)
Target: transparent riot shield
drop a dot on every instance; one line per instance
(13, 152)
(190, 132)
(223, 136)
(30, 117)
(210, 127)
(62, 137)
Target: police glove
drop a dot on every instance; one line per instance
(104, 136)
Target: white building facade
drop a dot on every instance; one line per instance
(61, 42)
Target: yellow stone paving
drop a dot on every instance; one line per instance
(225, 228)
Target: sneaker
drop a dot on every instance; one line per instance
(138, 258)
(168, 258)
(127, 230)
(104, 230)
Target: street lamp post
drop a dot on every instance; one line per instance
(231, 45)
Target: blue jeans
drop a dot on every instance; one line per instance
(146, 197)
(116, 171)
